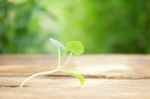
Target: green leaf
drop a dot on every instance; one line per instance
(61, 49)
(75, 46)
(77, 76)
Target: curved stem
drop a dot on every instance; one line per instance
(68, 59)
(44, 73)
(59, 57)
(38, 74)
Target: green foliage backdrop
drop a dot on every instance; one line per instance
(104, 26)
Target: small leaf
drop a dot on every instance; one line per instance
(77, 76)
(61, 47)
(75, 46)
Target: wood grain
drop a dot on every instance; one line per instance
(107, 77)
(113, 66)
(68, 88)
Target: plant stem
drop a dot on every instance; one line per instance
(44, 73)
(59, 57)
(38, 74)
(67, 60)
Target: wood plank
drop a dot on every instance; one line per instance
(107, 76)
(56, 88)
(112, 66)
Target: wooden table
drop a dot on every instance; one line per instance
(107, 77)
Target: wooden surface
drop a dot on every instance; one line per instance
(107, 77)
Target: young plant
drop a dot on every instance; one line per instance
(73, 47)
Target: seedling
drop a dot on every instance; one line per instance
(73, 47)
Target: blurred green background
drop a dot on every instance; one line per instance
(104, 26)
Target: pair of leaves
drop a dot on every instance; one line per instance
(72, 46)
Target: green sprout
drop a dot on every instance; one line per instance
(73, 47)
